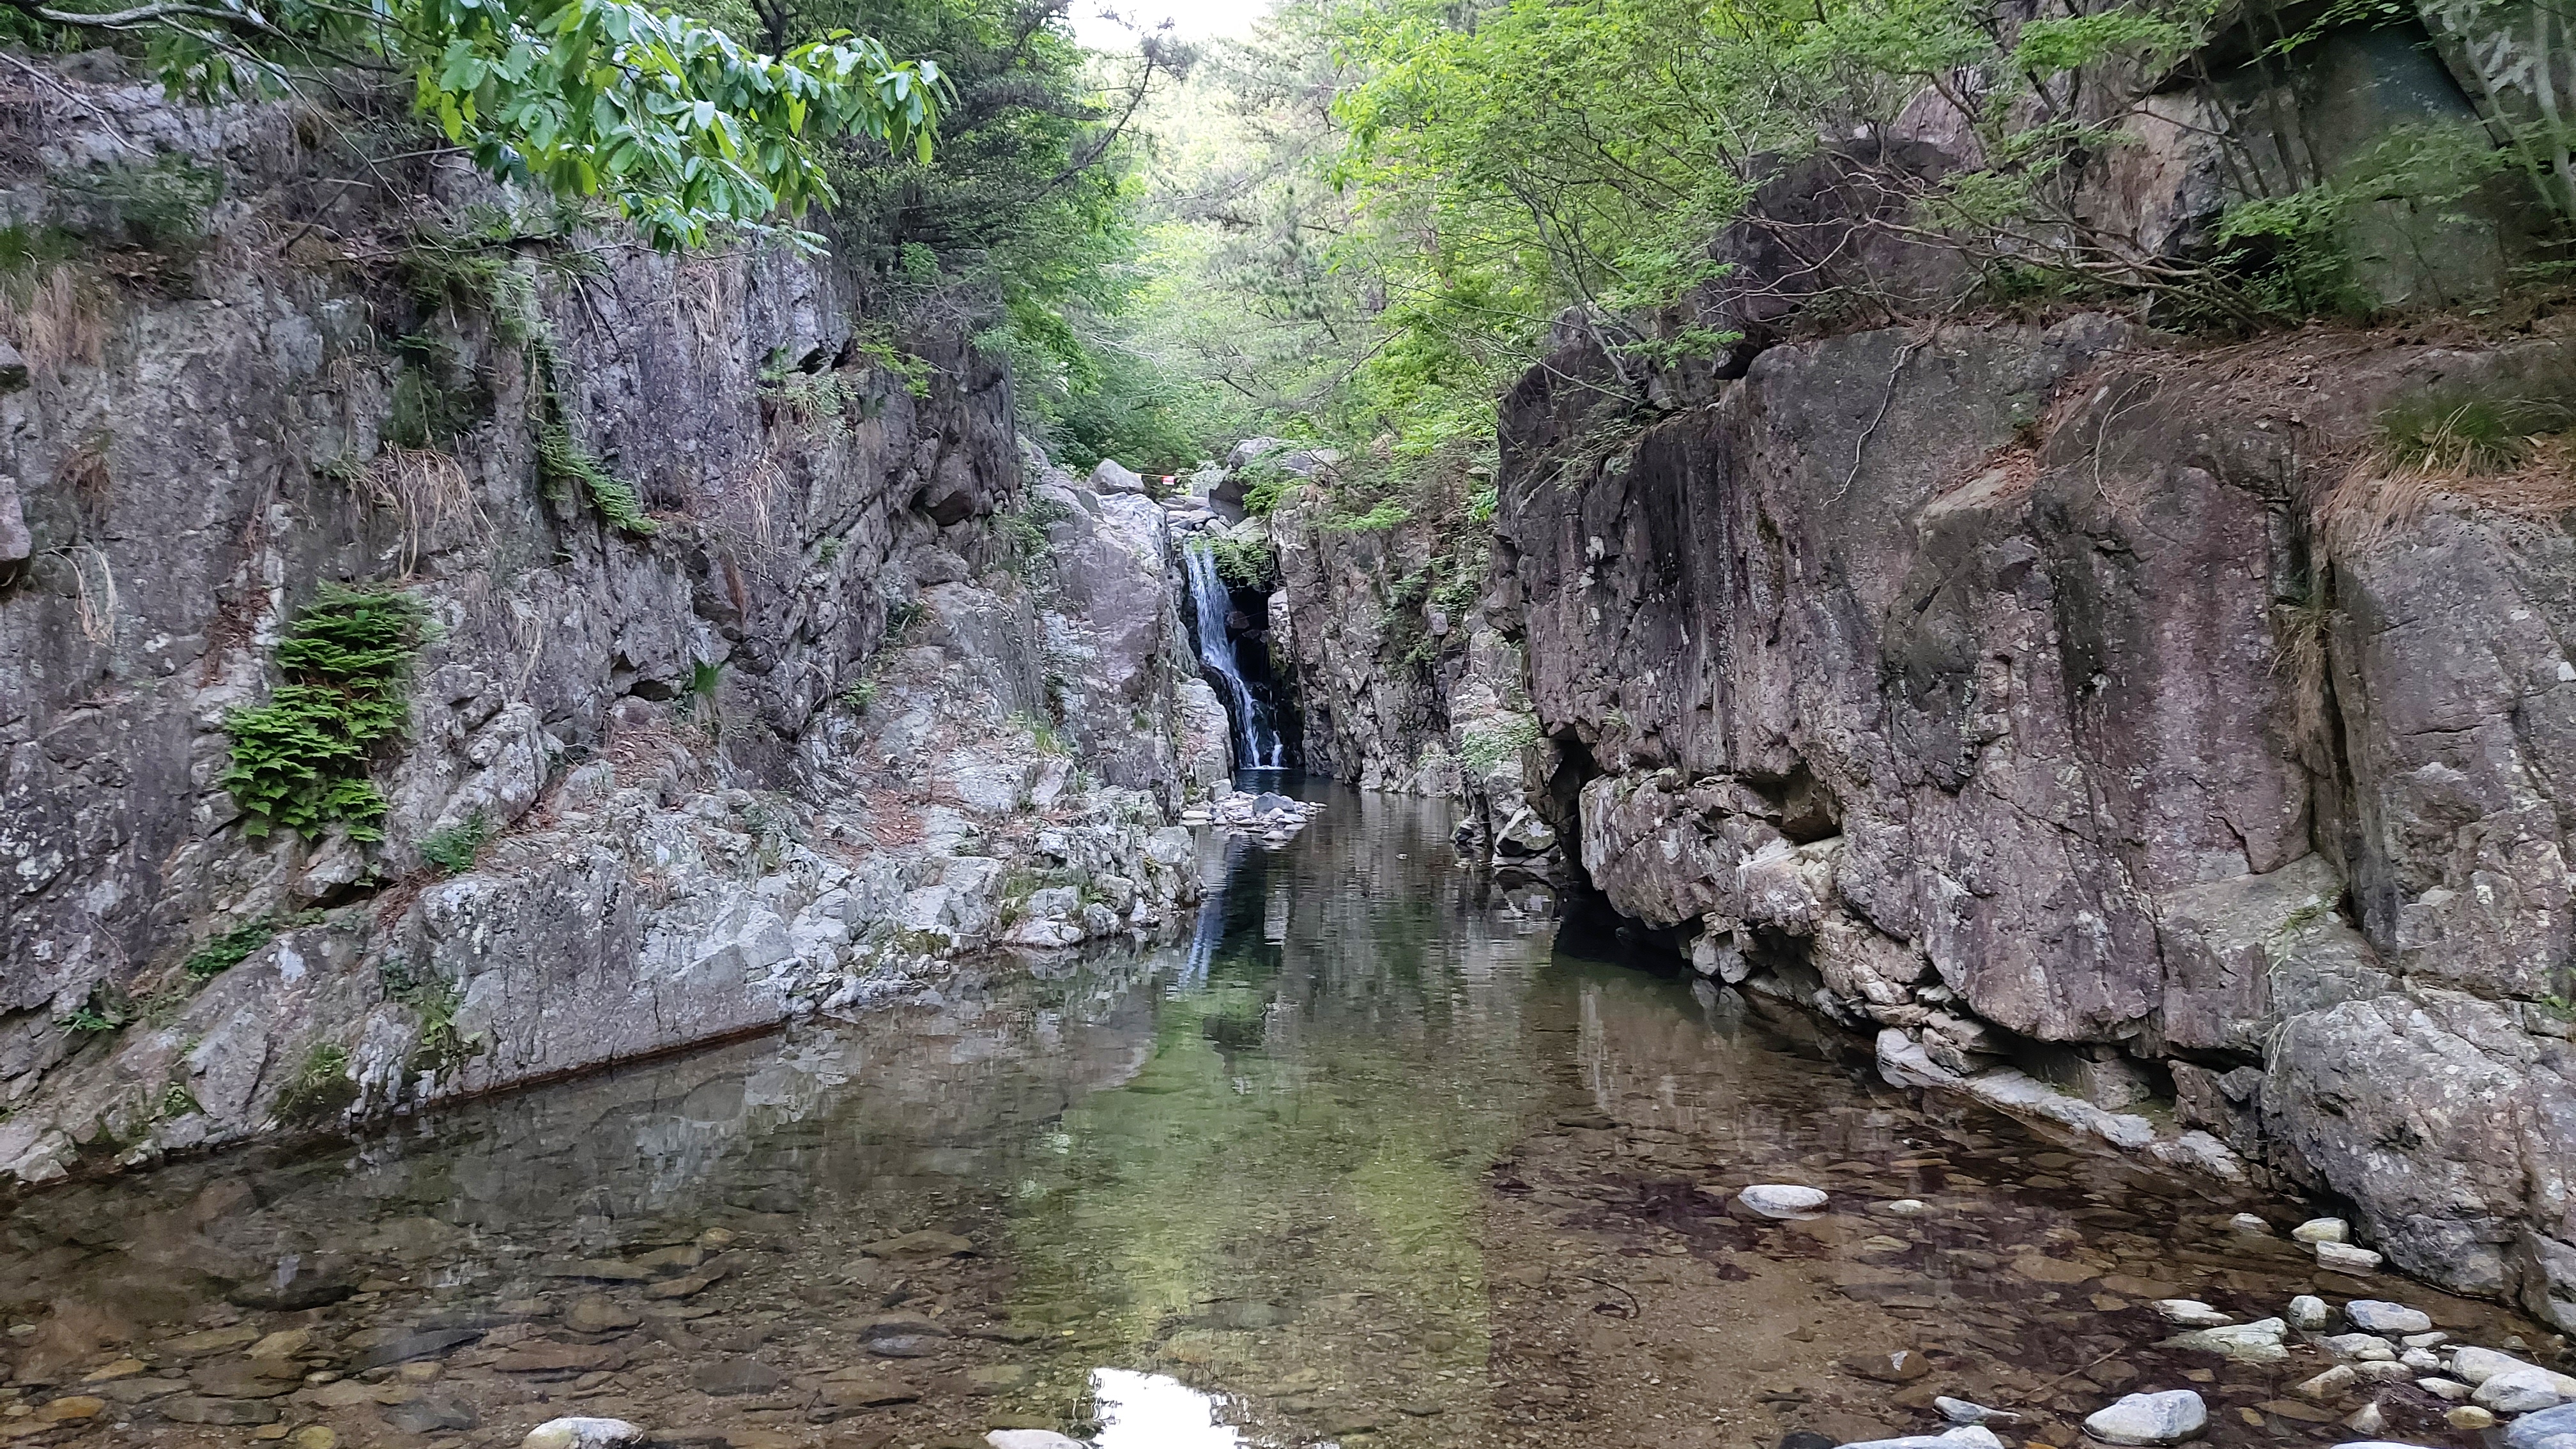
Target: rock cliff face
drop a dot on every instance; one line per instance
(2056, 703)
(2094, 722)
(844, 697)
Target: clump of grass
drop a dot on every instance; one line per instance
(105, 1009)
(453, 849)
(2498, 447)
(1485, 749)
(320, 1087)
(227, 949)
(1043, 734)
(1245, 563)
(163, 204)
(2466, 436)
(562, 463)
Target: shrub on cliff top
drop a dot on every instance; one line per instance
(302, 759)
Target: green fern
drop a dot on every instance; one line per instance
(302, 759)
(562, 462)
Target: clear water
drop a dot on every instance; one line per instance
(1378, 1160)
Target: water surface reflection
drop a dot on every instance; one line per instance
(1370, 1159)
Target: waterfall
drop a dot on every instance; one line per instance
(1256, 739)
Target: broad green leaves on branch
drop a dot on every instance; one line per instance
(670, 119)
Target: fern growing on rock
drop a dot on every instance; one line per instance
(301, 760)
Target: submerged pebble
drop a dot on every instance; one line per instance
(581, 1434)
(1966, 1436)
(1962, 1411)
(1782, 1200)
(2166, 1417)
(2256, 1342)
(2358, 1346)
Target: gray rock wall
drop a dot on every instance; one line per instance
(859, 700)
(1366, 654)
(2042, 702)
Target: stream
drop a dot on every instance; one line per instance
(1378, 1160)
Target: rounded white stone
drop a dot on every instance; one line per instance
(578, 1433)
(1782, 1200)
(2168, 1417)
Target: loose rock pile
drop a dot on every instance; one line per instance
(1272, 817)
(2386, 1344)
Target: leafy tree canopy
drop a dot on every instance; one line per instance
(677, 124)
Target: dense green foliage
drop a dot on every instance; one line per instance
(672, 120)
(1379, 213)
(1030, 200)
(302, 760)
(1437, 190)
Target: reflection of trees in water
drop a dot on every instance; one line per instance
(910, 1113)
(1291, 1182)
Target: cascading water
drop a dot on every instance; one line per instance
(1256, 738)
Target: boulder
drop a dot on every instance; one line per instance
(2524, 1390)
(2544, 1429)
(1111, 476)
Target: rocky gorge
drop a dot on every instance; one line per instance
(748, 665)
(2088, 720)
(2048, 712)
